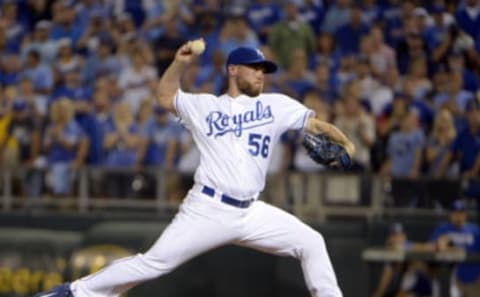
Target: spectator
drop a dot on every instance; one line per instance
(86, 10)
(367, 83)
(410, 49)
(41, 75)
(459, 234)
(21, 146)
(74, 90)
(145, 115)
(396, 22)
(63, 18)
(348, 35)
(235, 33)
(41, 42)
(419, 104)
(262, 15)
(122, 143)
(325, 82)
(175, 12)
(337, 15)
(123, 28)
(208, 27)
(166, 45)
(405, 148)
(345, 72)
(312, 12)
(211, 77)
(382, 56)
(297, 79)
(36, 11)
(439, 142)
(357, 125)
(468, 19)
(137, 81)
(13, 29)
(66, 60)
(391, 275)
(456, 41)
(20, 143)
(66, 147)
(404, 279)
(465, 149)
(289, 34)
(326, 51)
(100, 121)
(416, 82)
(97, 30)
(438, 31)
(101, 63)
(371, 12)
(456, 63)
(455, 98)
(162, 133)
(10, 70)
(38, 103)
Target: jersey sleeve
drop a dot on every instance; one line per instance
(187, 107)
(439, 231)
(293, 114)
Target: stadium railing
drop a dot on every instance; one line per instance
(315, 196)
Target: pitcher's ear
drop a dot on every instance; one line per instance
(232, 70)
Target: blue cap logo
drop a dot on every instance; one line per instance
(250, 56)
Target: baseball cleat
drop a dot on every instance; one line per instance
(62, 290)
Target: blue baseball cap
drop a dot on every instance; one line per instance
(250, 56)
(458, 205)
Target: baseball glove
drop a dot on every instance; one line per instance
(326, 152)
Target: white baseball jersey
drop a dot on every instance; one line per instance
(236, 136)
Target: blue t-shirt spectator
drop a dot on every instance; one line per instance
(72, 133)
(41, 76)
(162, 135)
(120, 155)
(402, 148)
(466, 146)
(96, 126)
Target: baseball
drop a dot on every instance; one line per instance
(197, 46)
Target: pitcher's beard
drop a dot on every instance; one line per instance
(249, 89)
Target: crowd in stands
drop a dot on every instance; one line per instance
(78, 81)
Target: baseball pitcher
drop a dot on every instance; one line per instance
(235, 134)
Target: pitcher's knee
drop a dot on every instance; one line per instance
(313, 243)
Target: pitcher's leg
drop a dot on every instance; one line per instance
(191, 233)
(275, 231)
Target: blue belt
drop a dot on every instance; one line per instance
(227, 199)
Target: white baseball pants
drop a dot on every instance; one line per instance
(204, 223)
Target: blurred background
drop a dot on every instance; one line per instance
(92, 169)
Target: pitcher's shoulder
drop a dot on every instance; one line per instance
(273, 97)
